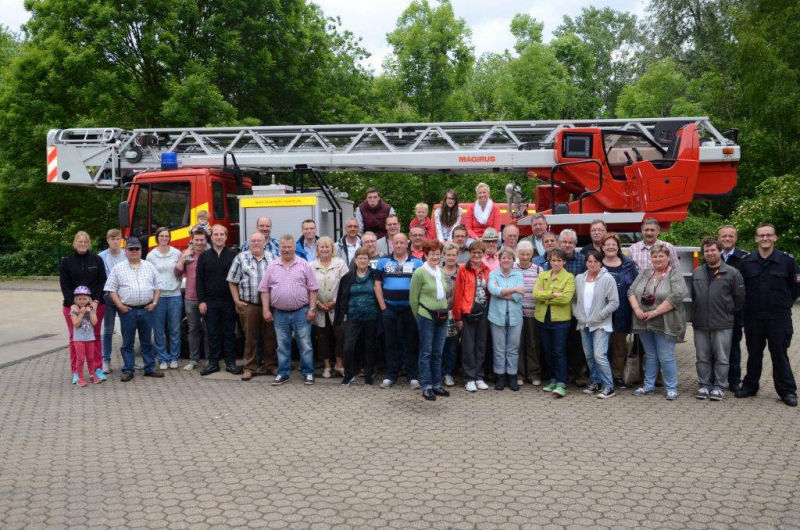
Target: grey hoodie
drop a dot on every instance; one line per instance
(604, 302)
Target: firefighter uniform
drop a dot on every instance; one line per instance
(772, 285)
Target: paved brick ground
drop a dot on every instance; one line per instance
(183, 452)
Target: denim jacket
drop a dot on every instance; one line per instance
(498, 307)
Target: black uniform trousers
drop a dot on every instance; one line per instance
(776, 334)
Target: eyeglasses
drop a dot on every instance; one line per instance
(765, 236)
(134, 249)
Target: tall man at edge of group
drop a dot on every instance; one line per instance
(772, 284)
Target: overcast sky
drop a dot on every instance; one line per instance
(373, 19)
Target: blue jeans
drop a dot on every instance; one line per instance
(108, 326)
(141, 321)
(287, 322)
(505, 340)
(400, 333)
(167, 319)
(431, 344)
(659, 349)
(554, 343)
(595, 348)
(449, 355)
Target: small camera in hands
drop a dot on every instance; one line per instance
(648, 299)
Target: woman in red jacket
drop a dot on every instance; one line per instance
(470, 309)
(482, 214)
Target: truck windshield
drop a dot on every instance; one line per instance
(161, 204)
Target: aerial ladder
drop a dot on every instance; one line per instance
(618, 170)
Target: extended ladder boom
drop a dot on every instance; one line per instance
(106, 157)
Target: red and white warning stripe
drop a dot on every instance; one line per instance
(52, 163)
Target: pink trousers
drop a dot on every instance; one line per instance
(93, 350)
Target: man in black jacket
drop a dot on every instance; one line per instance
(215, 301)
(716, 289)
(733, 255)
(772, 283)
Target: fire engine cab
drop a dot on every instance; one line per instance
(620, 171)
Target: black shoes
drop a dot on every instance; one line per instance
(512, 383)
(126, 376)
(745, 392)
(439, 391)
(499, 381)
(154, 373)
(233, 369)
(790, 399)
(428, 394)
(210, 369)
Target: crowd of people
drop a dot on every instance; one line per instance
(459, 286)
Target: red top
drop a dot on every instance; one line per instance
(428, 225)
(474, 228)
(464, 292)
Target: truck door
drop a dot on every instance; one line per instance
(159, 204)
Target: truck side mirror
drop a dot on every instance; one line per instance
(124, 214)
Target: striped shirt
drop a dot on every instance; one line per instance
(395, 278)
(289, 287)
(529, 277)
(246, 271)
(135, 286)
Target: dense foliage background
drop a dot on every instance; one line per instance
(191, 62)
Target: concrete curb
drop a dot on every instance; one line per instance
(31, 357)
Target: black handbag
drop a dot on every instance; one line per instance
(437, 315)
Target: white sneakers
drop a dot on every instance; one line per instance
(163, 366)
(414, 384)
(106, 367)
(449, 381)
(173, 365)
(191, 365)
(474, 386)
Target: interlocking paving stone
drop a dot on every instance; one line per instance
(192, 452)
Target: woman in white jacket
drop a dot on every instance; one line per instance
(596, 299)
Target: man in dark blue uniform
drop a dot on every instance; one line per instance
(772, 284)
(733, 255)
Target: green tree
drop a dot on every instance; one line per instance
(776, 201)
(661, 91)
(140, 64)
(615, 40)
(431, 58)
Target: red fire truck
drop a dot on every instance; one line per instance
(620, 171)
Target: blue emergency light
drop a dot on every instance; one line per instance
(169, 160)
